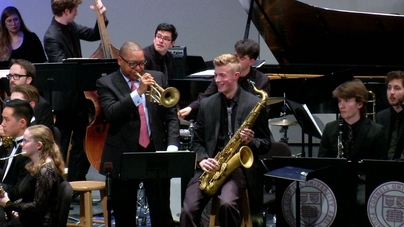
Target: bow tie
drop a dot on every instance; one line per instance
(16, 142)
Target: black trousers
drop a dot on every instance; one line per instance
(72, 126)
(229, 194)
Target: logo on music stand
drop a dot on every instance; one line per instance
(318, 206)
(386, 205)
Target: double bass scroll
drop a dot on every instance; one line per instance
(97, 130)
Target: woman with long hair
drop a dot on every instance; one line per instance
(39, 189)
(16, 41)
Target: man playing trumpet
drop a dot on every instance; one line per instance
(136, 125)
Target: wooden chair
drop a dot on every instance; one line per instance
(244, 211)
(86, 202)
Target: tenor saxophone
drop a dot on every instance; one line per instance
(232, 157)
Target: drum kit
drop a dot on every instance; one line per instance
(283, 122)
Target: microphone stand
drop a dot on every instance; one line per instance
(108, 170)
(108, 179)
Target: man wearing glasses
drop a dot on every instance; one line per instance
(24, 72)
(136, 125)
(157, 55)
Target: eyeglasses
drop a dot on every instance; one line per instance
(26, 141)
(14, 76)
(134, 64)
(12, 21)
(165, 38)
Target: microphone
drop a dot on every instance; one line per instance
(108, 167)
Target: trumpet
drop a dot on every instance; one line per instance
(168, 97)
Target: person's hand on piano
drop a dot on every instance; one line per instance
(182, 113)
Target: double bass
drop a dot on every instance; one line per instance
(97, 130)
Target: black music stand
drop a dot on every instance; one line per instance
(307, 122)
(91, 69)
(151, 165)
(379, 172)
(287, 169)
(71, 75)
(55, 77)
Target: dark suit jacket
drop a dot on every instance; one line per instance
(59, 47)
(123, 116)
(371, 142)
(383, 118)
(16, 173)
(262, 82)
(155, 60)
(208, 123)
(43, 113)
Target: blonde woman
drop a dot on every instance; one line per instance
(39, 188)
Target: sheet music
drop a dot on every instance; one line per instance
(312, 119)
(4, 72)
(179, 151)
(203, 74)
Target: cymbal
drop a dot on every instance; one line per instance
(282, 122)
(273, 100)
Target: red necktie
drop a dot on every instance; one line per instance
(144, 139)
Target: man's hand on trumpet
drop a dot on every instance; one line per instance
(145, 81)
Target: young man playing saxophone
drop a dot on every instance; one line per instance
(212, 134)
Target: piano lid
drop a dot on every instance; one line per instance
(298, 33)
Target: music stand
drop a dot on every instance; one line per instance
(91, 69)
(151, 165)
(55, 77)
(71, 75)
(306, 122)
(379, 173)
(286, 169)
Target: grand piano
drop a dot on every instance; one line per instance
(318, 49)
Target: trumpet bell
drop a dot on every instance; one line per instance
(169, 97)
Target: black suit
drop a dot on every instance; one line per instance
(155, 61)
(15, 174)
(123, 136)
(71, 107)
(384, 118)
(58, 46)
(43, 113)
(370, 143)
(207, 129)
